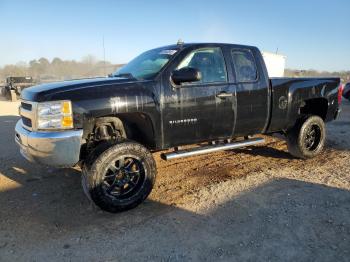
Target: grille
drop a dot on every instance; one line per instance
(26, 106)
(26, 121)
(28, 114)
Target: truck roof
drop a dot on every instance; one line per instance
(204, 44)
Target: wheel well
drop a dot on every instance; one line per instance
(133, 126)
(317, 106)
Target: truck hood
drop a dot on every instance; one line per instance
(62, 90)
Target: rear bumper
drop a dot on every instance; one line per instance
(58, 149)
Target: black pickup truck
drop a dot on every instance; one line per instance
(211, 96)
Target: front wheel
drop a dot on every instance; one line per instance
(120, 178)
(307, 138)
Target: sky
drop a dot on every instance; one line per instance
(313, 34)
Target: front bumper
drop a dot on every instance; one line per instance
(51, 148)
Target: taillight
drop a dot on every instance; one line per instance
(340, 93)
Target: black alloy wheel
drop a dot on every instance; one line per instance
(312, 137)
(124, 176)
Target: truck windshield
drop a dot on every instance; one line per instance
(147, 65)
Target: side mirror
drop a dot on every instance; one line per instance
(186, 75)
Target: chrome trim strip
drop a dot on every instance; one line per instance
(210, 149)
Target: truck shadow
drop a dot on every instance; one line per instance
(338, 132)
(264, 151)
(338, 135)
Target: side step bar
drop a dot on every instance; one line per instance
(212, 148)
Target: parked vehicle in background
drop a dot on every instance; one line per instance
(346, 91)
(2, 88)
(275, 64)
(15, 85)
(215, 95)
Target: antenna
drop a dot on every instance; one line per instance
(277, 51)
(104, 55)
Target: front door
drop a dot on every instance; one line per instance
(198, 111)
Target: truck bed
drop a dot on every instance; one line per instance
(288, 96)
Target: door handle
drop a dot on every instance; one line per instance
(224, 95)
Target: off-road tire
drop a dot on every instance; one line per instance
(298, 139)
(94, 175)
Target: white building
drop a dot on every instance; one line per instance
(275, 64)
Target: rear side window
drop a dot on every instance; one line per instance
(210, 63)
(244, 64)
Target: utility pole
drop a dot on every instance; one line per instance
(104, 56)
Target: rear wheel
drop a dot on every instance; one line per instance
(121, 177)
(307, 138)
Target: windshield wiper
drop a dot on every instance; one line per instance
(125, 75)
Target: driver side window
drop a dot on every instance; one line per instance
(209, 62)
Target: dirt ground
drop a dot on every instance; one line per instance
(252, 204)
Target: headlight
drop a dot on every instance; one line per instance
(55, 115)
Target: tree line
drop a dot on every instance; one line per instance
(344, 75)
(44, 70)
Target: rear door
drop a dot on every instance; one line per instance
(252, 92)
(198, 111)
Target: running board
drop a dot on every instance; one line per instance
(212, 148)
